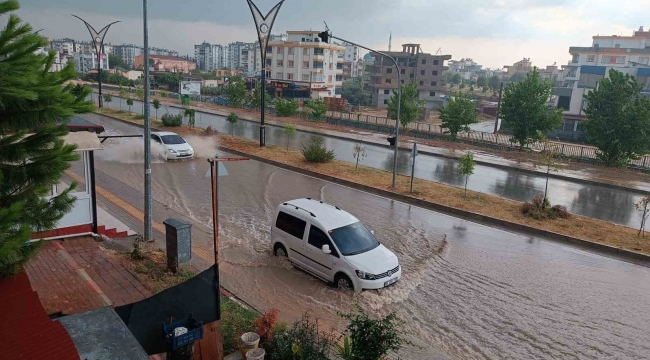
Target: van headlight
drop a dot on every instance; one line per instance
(172, 151)
(364, 275)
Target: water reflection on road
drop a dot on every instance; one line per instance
(469, 290)
(588, 200)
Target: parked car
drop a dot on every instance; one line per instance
(174, 146)
(333, 245)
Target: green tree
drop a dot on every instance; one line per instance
(455, 79)
(289, 130)
(353, 92)
(32, 100)
(156, 105)
(459, 113)
(493, 82)
(286, 107)
(232, 120)
(316, 152)
(235, 91)
(618, 119)
(644, 207)
(462, 85)
(525, 112)
(373, 339)
(485, 89)
(358, 152)
(550, 161)
(481, 81)
(139, 94)
(412, 105)
(122, 95)
(191, 117)
(318, 108)
(129, 102)
(108, 98)
(256, 98)
(466, 167)
(116, 61)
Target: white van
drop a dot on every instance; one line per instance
(333, 245)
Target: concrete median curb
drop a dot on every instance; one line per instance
(464, 214)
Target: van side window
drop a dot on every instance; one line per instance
(317, 238)
(291, 225)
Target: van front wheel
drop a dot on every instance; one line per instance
(342, 281)
(279, 250)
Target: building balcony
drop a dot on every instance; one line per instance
(316, 57)
(339, 71)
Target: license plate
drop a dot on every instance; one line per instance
(390, 282)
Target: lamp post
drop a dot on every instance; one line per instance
(325, 35)
(264, 25)
(148, 206)
(98, 41)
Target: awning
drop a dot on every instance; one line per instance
(593, 70)
(643, 72)
(84, 140)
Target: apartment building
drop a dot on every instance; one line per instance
(417, 67)
(589, 65)
(87, 61)
(162, 63)
(351, 61)
(518, 70)
(466, 68)
(128, 53)
(302, 61)
(206, 58)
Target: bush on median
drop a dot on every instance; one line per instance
(172, 120)
(316, 152)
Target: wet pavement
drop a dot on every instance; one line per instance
(597, 201)
(468, 290)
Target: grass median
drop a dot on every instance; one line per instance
(580, 227)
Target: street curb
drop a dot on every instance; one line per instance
(467, 215)
(481, 162)
(464, 214)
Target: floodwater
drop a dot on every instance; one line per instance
(469, 291)
(600, 202)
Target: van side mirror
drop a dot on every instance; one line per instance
(372, 232)
(326, 249)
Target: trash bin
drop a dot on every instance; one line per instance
(391, 140)
(256, 354)
(249, 341)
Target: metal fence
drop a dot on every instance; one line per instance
(580, 152)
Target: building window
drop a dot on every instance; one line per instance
(644, 60)
(436, 62)
(318, 65)
(331, 66)
(389, 70)
(564, 102)
(280, 63)
(575, 59)
(329, 78)
(305, 77)
(279, 50)
(385, 101)
(403, 71)
(434, 73)
(424, 61)
(411, 76)
(432, 93)
(269, 49)
(434, 83)
(421, 72)
(305, 64)
(620, 59)
(387, 81)
(290, 63)
(290, 51)
(402, 81)
(605, 59)
(421, 83)
(305, 51)
(319, 51)
(617, 46)
(591, 58)
(387, 92)
(279, 76)
(289, 76)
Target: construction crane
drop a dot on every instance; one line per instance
(439, 51)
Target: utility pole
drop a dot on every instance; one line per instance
(148, 211)
(325, 36)
(496, 122)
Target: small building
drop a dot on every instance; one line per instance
(164, 63)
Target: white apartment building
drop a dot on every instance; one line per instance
(205, 56)
(352, 65)
(127, 52)
(303, 59)
(250, 59)
(466, 68)
(87, 61)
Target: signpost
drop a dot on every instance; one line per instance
(414, 154)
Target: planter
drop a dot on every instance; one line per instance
(249, 341)
(256, 354)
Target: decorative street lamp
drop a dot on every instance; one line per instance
(264, 25)
(98, 41)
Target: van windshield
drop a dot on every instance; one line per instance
(353, 239)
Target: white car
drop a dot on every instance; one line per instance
(332, 245)
(174, 146)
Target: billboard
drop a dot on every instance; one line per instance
(190, 88)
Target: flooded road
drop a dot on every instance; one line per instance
(596, 201)
(470, 291)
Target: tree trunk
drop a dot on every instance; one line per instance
(466, 179)
(357, 166)
(548, 170)
(287, 142)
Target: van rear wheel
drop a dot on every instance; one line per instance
(342, 281)
(279, 250)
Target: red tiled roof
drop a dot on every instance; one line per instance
(27, 332)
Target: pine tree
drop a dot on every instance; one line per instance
(32, 100)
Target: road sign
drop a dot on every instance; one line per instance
(221, 169)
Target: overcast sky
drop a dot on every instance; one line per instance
(492, 32)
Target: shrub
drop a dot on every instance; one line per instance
(318, 108)
(265, 325)
(232, 119)
(284, 107)
(316, 152)
(372, 338)
(303, 341)
(172, 120)
(539, 208)
(139, 116)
